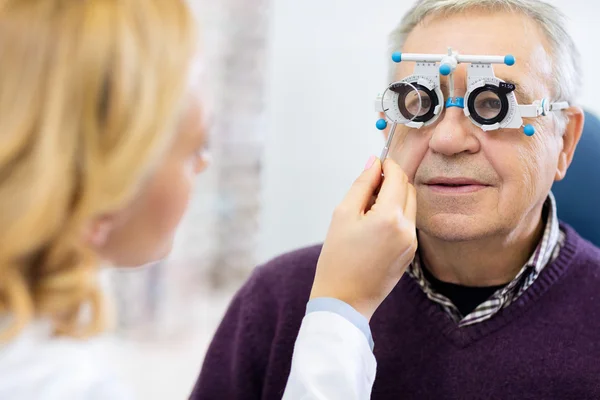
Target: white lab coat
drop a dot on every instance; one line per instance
(36, 366)
(332, 361)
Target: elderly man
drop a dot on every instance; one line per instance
(502, 299)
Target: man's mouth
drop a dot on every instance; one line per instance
(458, 185)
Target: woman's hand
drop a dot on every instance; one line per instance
(371, 240)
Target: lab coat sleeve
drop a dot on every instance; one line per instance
(333, 355)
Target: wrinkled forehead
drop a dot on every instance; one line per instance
(479, 33)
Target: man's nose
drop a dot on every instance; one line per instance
(452, 134)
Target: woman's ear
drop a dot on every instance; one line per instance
(570, 139)
(97, 231)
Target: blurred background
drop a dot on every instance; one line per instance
(292, 85)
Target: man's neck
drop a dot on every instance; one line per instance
(486, 262)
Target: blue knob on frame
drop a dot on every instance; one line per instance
(529, 130)
(397, 57)
(381, 124)
(509, 60)
(445, 69)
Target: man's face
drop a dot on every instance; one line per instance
(516, 171)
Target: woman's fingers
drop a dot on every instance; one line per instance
(394, 189)
(361, 192)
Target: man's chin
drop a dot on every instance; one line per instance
(453, 227)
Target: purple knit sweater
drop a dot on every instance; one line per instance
(546, 345)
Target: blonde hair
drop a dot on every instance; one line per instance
(90, 93)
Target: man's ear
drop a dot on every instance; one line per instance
(570, 140)
(97, 231)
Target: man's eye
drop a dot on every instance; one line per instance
(489, 103)
(492, 103)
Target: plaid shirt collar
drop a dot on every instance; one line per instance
(546, 251)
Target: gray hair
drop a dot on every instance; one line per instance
(566, 84)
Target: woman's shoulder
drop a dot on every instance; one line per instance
(37, 366)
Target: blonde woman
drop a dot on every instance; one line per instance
(100, 140)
